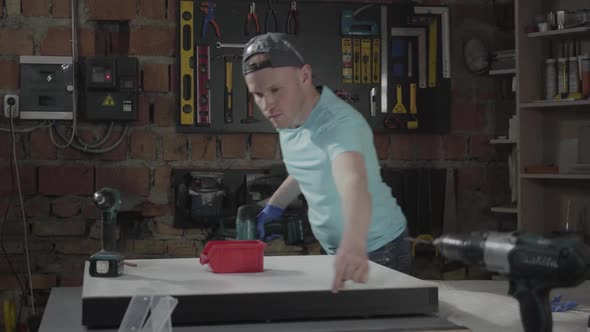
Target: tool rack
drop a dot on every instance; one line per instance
(320, 40)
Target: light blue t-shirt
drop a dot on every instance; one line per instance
(334, 127)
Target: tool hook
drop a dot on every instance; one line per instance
(252, 18)
(293, 19)
(270, 14)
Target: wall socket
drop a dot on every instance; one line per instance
(8, 108)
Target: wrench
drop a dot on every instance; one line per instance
(221, 45)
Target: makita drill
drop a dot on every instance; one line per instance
(533, 265)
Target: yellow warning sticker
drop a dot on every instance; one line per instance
(108, 101)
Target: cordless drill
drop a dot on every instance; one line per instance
(107, 262)
(533, 265)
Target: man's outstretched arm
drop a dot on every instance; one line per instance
(350, 176)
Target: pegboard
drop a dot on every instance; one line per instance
(320, 42)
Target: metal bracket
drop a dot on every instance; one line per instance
(446, 35)
(421, 34)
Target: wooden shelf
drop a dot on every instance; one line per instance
(502, 141)
(571, 32)
(556, 176)
(555, 103)
(505, 209)
(503, 71)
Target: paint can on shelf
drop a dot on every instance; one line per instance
(562, 76)
(550, 72)
(585, 60)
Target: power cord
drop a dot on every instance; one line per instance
(93, 150)
(14, 172)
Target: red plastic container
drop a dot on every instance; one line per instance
(234, 256)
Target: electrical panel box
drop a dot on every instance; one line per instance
(46, 87)
(110, 88)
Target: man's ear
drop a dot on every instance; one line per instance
(306, 74)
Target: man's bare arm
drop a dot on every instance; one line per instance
(287, 192)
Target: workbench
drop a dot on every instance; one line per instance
(461, 306)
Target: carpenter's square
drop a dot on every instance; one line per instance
(446, 37)
(187, 62)
(421, 34)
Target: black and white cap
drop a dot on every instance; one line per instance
(281, 52)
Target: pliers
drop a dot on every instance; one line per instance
(293, 19)
(208, 8)
(270, 14)
(252, 18)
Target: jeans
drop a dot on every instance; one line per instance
(395, 255)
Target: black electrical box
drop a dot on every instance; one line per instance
(111, 86)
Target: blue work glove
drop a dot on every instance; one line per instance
(268, 214)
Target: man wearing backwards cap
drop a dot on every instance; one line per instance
(330, 156)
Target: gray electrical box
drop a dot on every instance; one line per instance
(46, 87)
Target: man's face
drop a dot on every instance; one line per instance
(278, 94)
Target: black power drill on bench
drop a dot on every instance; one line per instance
(533, 265)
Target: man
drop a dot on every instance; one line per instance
(330, 156)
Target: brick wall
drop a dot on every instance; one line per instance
(57, 183)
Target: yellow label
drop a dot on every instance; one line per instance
(108, 101)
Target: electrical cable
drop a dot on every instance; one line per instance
(43, 124)
(2, 230)
(98, 143)
(96, 151)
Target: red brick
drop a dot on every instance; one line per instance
(117, 10)
(143, 110)
(171, 12)
(162, 179)
(143, 145)
(5, 205)
(87, 42)
(119, 42)
(164, 110)
(148, 247)
(15, 41)
(156, 77)
(129, 180)
(480, 148)
(41, 145)
(66, 207)
(152, 41)
(35, 7)
(455, 147)
(149, 209)
(10, 75)
(403, 147)
(469, 178)
(90, 211)
(78, 246)
(61, 9)
(5, 149)
(28, 180)
(428, 147)
(38, 206)
(53, 227)
(233, 146)
(57, 42)
(120, 152)
(71, 279)
(263, 146)
(203, 147)
(382, 145)
(174, 147)
(13, 227)
(66, 179)
(182, 248)
(155, 9)
(466, 114)
(39, 281)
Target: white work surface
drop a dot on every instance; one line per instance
(186, 276)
